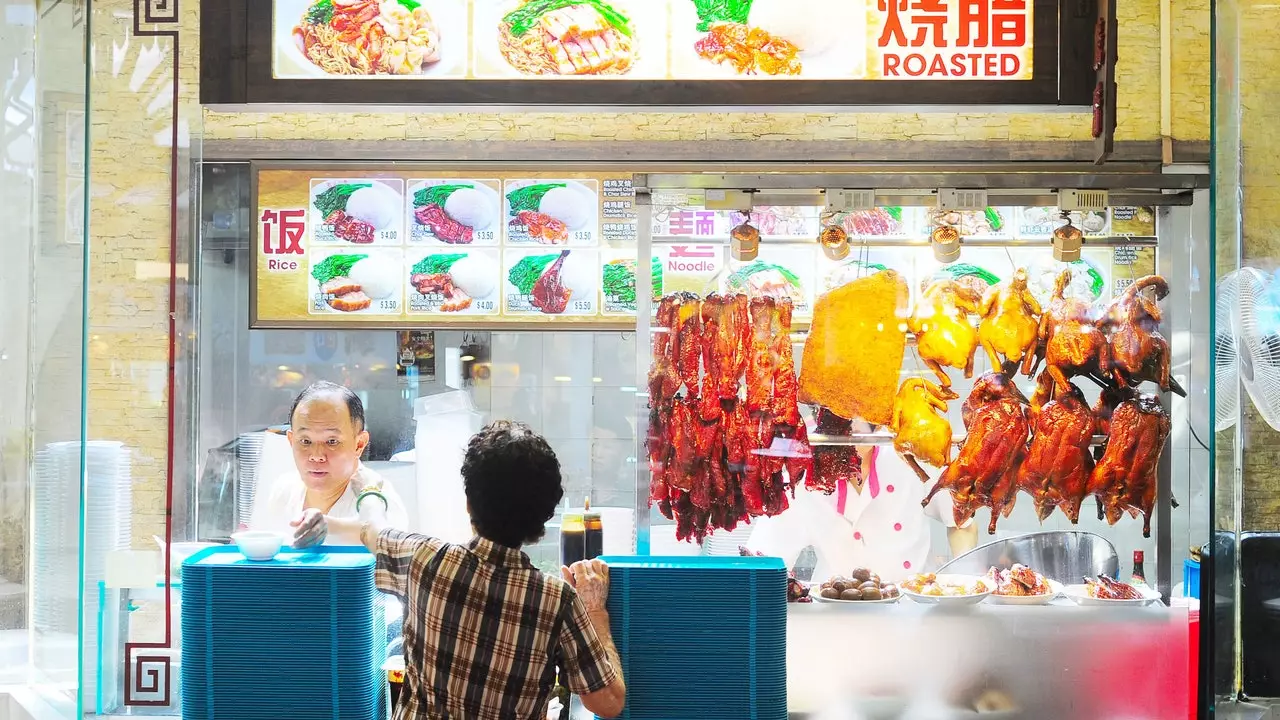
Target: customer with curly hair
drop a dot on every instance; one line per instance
(484, 630)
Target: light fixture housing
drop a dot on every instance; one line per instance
(835, 242)
(945, 241)
(1067, 241)
(745, 242)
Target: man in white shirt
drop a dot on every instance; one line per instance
(328, 436)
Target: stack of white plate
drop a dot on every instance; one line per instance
(662, 541)
(106, 510)
(619, 530)
(248, 460)
(723, 542)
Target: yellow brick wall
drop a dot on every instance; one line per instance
(130, 178)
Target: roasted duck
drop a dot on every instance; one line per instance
(921, 431)
(1056, 470)
(984, 472)
(1010, 322)
(1124, 480)
(855, 348)
(726, 332)
(944, 336)
(1018, 581)
(1071, 341)
(1138, 352)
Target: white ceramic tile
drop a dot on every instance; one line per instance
(615, 359)
(616, 410)
(567, 411)
(567, 359)
(575, 467)
(519, 356)
(517, 403)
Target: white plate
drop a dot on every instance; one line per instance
(950, 599)
(1055, 589)
(814, 592)
(450, 17)
(1080, 595)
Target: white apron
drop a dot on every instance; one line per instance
(883, 529)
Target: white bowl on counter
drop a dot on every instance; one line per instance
(258, 545)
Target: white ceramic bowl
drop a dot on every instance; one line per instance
(258, 545)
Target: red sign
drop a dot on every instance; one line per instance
(950, 39)
(282, 233)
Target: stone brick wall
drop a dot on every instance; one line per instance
(130, 214)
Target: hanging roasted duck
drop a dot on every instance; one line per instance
(726, 333)
(1058, 463)
(834, 464)
(944, 336)
(984, 472)
(1010, 322)
(1124, 480)
(1069, 337)
(1138, 352)
(921, 431)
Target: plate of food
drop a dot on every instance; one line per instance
(455, 212)
(458, 283)
(367, 282)
(946, 589)
(552, 212)
(861, 587)
(1020, 585)
(386, 38)
(569, 38)
(1104, 590)
(359, 211)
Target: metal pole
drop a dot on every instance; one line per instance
(644, 311)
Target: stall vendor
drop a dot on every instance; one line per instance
(328, 436)
(882, 528)
(484, 629)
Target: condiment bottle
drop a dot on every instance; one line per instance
(573, 538)
(594, 526)
(1139, 577)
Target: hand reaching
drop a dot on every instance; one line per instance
(311, 529)
(591, 579)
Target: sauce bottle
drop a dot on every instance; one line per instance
(594, 526)
(573, 538)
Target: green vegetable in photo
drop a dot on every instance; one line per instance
(959, 270)
(718, 11)
(993, 219)
(335, 266)
(336, 197)
(530, 196)
(526, 17)
(437, 194)
(525, 273)
(320, 13)
(738, 280)
(436, 264)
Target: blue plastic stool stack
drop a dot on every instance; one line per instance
(701, 637)
(302, 636)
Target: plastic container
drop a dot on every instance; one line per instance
(1191, 578)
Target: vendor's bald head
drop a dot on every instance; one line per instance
(327, 432)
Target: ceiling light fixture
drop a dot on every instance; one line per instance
(946, 244)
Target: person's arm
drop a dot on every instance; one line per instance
(314, 527)
(590, 662)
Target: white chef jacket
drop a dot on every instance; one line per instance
(283, 501)
(882, 529)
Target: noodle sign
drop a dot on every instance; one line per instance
(652, 53)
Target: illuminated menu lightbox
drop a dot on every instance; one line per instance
(654, 40)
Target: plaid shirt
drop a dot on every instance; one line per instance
(484, 630)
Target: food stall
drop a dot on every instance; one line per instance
(453, 284)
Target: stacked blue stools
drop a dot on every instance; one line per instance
(701, 637)
(302, 636)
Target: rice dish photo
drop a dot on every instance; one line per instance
(368, 37)
(357, 211)
(567, 37)
(456, 281)
(453, 212)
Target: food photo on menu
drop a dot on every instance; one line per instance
(358, 211)
(568, 37)
(366, 282)
(767, 38)
(618, 283)
(562, 283)
(455, 283)
(559, 212)
(394, 38)
(455, 212)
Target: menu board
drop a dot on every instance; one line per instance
(411, 248)
(682, 40)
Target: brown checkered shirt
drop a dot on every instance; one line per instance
(484, 630)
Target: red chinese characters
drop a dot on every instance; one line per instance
(953, 39)
(282, 233)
